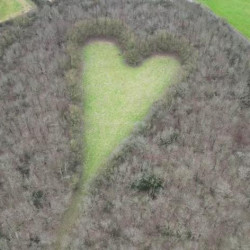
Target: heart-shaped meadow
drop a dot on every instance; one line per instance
(117, 96)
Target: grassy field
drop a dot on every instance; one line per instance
(236, 12)
(12, 8)
(117, 96)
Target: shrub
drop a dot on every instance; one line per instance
(148, 183)
(24, 170)
(38, 198)
(34, 239)
(169, 139)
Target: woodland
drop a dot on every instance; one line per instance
(181, 178)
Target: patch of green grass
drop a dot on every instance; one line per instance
(236, 12)
(12, 8)
(116, 97)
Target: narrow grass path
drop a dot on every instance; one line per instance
(236, 12)
(12, 8)
(116, 97)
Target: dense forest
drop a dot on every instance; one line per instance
(181, 181)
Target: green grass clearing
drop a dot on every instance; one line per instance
(12, 8)
(236, 12)
(117, 96)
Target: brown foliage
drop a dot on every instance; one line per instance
(204, 203)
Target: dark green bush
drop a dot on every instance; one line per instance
(148, 183)
(38, 198)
